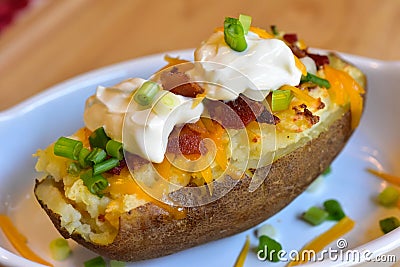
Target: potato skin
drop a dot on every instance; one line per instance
(149, 231)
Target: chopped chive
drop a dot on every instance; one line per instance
(74, 168)
(246, 22)
(68, 148)
(388, 197)
(327, 171)
(334, 210)
(82, 159)
(96, 155)
(315, 216)
(114, 263)
(95, 183)
(104, 166)
(316, 80)
(98, 138)
(114, 149)
(234, 34)
(145, 94)
(59, 249)
(270, 248)
(389, 224)
(274, 30)
(166, 104)
(281, 99)
(95, 262)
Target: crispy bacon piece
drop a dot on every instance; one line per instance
(117, 170)
(267, 117)
(291, 38)
(313, 119)
(184, 140)
(320, 60)
(135, 161)
(235, 114)
(179, 83)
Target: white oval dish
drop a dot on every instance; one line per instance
(58, 111)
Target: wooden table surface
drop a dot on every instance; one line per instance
(57, 39)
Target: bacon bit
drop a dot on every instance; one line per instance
(291, 38)
(297, 51)
(179, 83)
(320, 60)
(313, 119)
(184, 140)
(134, 160)
(267, 117)
(101, 218)
(117, 170)
(247, 110)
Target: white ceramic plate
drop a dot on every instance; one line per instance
(58, 111)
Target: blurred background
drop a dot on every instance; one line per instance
(43, 42)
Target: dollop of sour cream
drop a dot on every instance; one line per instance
(267, 64)
(143, 131)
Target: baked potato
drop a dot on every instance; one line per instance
(123, 221)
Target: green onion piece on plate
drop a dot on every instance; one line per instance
(389, 196)
(68, 148)
(114, 149)
(246, 22)
(59, 249)
(389, 224)
(95, 262)
(334, 210)
(98, 138)
(114, 263)
(145, 94)
(315, 216)
(95, 183)
(281, 99)
(234, 34)
(268, 248)
(327, 171)
(316, 80)
(104, 166)
(97, 155)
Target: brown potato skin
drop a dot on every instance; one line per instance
(149, 231)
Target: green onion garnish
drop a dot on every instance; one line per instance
(98, 138)
(281, 99)
(334, 210)
(270, 248)
(95, 183)
(316, 80)
(327, 171)
(166, 104)
(104, 166)
(246, 22)
(95, 262)
(74, 169)
(388, 197)
(59, 249)
(315, 216)
(68, 148)
(389, 224)
(82, 159)
(114, 149)
(97, 155)
(234, 34)
(274, 30)
(145, 94)
(114, 263)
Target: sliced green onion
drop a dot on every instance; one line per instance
(269, 248)
(104, 166)
(95, 262)
(114, 149)
(334, 210)
(59, 249)
(266, 229)
(246, 22)
(98, 138)
(274, 30)
(327, 171)
(97, 155)
(82, 159)
(281, 99)
(95, 183)
(389, 224)
(166, 104)
(74, 168)
(68, 148)
(114, 263)
(146, 93)
(234, 34)
(388, 197)
(316, 80)
(315, 216)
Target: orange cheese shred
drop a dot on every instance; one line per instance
(19, 241)
(300, 94)
(386, 176)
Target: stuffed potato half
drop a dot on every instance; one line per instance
(124, 223)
